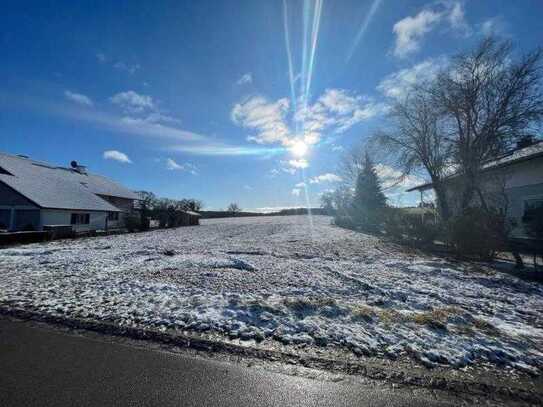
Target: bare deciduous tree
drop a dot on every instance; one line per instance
(234, 209)
(490, 100)
(327, 202)
(416, 140)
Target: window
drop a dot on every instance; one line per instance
(531, 206)
(80, 219)
(27, 219)
(113, 216)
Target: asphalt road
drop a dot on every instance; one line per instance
(40, 366)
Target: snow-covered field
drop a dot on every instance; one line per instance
(282, 279)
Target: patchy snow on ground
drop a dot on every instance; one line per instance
(285, 279)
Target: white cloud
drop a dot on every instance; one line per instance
(133, 102)
(493, 26)
(274, 122)
(411, 30)
(123, 66)
(172, 165)
(247, 187)
(117, 156)
(300, 185)
(397, 84)
(336, 110)
(246, 78)
(328, 177)
(273, 173)
(267, 118)
(78, 98)
(457, 19)
(296, 191)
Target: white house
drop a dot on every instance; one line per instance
(34, 194)
(519, 174)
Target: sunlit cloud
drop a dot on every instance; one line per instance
(116, 156)
(298, 163)
(296, 191)
(267, 118)
(275, 122)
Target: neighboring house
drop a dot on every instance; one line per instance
(512, 182)
(34, 194)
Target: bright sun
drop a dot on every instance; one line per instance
(299, 148)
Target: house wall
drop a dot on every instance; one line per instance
(524, 173)
(520, 181)
(516, 202)
(97, 219)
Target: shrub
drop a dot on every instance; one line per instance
(478, 233)
(413, 227)
(370, 221)
(392, 224)
(345, 221)
(132, 223)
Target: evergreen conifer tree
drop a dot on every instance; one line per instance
(369, 200)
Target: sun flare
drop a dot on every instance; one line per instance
(299, 149)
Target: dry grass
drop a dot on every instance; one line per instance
(363, 312)
(485, 326)
(368, 313)
(302, 304)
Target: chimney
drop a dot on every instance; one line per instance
(78, 167)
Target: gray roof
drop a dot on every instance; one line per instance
(50, 186)
(522, 154)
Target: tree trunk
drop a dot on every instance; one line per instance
(442, 203)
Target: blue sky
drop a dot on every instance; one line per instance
(227, 101)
